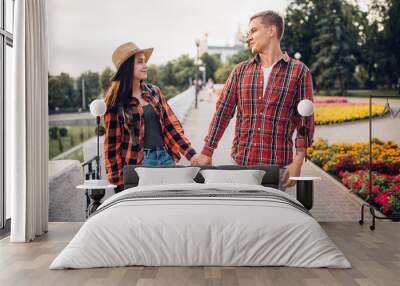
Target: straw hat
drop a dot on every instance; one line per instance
(125, 51)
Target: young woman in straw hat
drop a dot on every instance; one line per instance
(140, 127)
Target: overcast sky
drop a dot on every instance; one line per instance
(84, 33)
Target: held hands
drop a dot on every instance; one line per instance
(292, 170)
(200, 159)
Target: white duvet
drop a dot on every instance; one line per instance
(200, 231)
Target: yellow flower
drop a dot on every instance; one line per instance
(336, 113)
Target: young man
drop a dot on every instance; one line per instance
(264, 91)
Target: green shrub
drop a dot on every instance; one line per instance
(63, 132)
(53, 132)
(60, 145)
(82, 135)
(72, 140)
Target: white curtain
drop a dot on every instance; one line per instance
(27, 123)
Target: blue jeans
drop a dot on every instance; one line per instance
(157, 157)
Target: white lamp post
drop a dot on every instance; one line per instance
(196, 63)
(98, 108)
(305, 109)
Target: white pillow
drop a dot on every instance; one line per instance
(166, 176)
(248, 177)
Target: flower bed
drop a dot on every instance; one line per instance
(332, 110)
(330, 99)
(348, 163)
(385, 189)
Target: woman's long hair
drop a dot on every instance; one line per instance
(120, 90)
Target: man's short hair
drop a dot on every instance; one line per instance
(272, 18)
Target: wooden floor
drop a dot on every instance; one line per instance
(374, 255)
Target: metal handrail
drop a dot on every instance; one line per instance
(89, 161)
(90, 174)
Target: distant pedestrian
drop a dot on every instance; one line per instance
(210, 89)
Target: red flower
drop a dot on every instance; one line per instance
(386, 209)
(376, 189)
(357, 184)
(383, 200)
(395, 188)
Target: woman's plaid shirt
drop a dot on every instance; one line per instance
(124, 141)
(264, 122)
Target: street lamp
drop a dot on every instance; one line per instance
(196, 63)
(297, 56)
(203, 70)
(305, 108)
(98, 108)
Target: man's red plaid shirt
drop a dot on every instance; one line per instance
(265, 123)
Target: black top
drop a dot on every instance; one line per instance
(153, 137)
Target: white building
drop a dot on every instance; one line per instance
(223, 51)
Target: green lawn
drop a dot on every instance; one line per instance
(75, 136)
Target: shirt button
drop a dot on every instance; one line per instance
(260, 113)
(258, 129)
(259, 97)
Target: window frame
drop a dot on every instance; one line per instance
(6, 39)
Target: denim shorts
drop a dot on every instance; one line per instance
(157, 157)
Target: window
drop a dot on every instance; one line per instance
(6, 44)
(9, 11)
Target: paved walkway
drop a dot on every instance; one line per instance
(331, 202)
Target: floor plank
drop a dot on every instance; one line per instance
(374, 255)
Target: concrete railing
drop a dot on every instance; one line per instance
(66, 203)
(182, 103)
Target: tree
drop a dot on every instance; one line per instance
(300, 29)
(242, 55)
(334, 62)
(183, 68)
(372, 54)
(391, 41)
(223, 72)
(105, 78)
(166, 73)
(153, 75)
(61, 92)
(92, 86)
(212, 63)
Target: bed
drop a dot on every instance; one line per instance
(201, 224)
